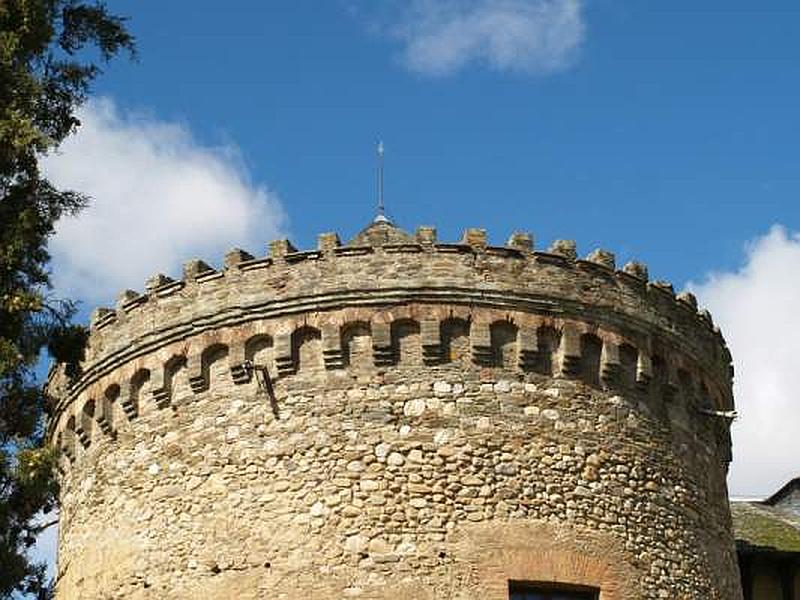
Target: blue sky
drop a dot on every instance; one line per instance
(671, 136)
(666, 132)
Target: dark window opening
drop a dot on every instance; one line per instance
(518, 590)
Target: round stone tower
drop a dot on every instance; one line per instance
(398, 418)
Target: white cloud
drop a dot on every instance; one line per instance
(159, 198)
(528, 36)
(46, 548)
(758, 308)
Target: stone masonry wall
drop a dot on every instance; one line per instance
(412, 420)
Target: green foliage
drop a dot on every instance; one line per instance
(49, 51)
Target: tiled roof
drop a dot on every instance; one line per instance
(381, 232)
(787, 489)
(760, 527)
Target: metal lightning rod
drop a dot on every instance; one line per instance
(381, 206)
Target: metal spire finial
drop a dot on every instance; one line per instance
(381, 217)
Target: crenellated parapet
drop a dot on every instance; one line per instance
(387, 300)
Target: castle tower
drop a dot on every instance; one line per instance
(398, 418)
